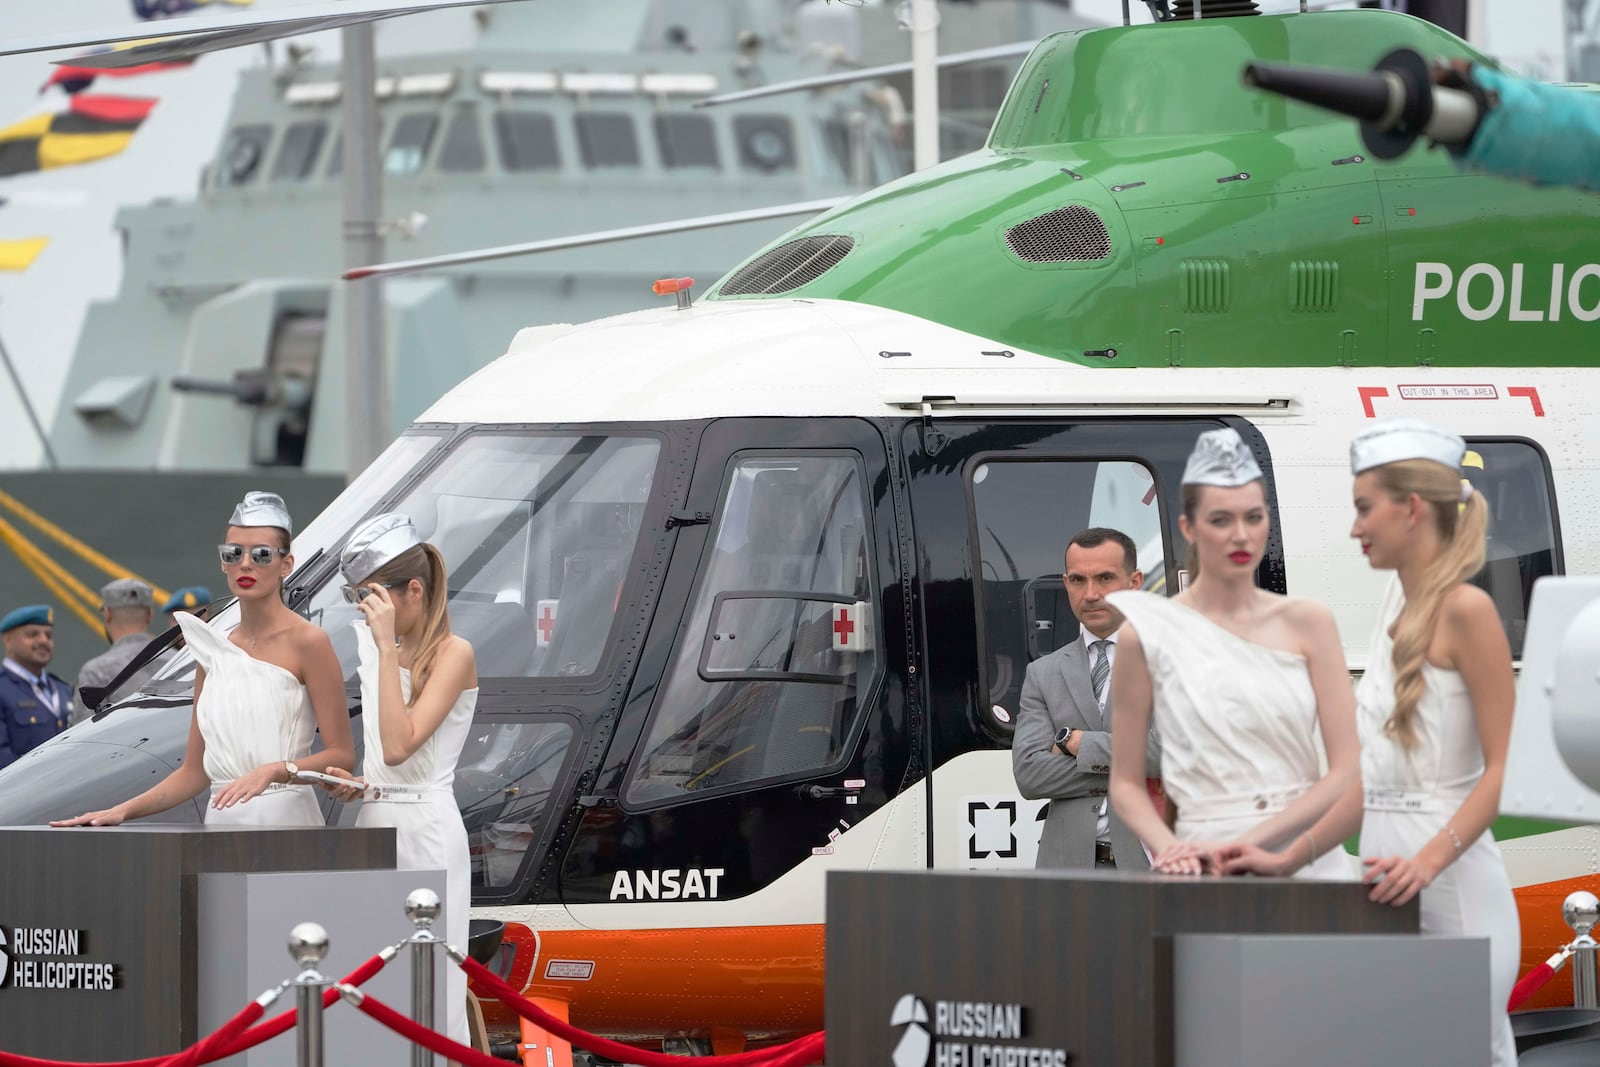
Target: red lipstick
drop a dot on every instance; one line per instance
(1241, 558)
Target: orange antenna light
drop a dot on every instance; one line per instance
(680, 286)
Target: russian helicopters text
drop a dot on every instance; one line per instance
(753, 583)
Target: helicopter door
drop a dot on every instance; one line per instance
(774, 740)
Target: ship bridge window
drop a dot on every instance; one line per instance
(1024, 512)
(766, 142)
(606, 139)
(779, 650)
(1522, 545)
(686, 140)
(462, 151)
(408, 148)
(297, 155)
(242, 153)
(538, 534)
(527, 141)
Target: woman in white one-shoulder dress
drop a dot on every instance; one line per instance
(1434, 706)
(261, 693)
(1241, 683)
(419, 688)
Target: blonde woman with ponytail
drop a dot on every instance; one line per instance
(419, 686)
(1434, 707)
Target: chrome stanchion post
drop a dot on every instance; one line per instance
(422, 908)
(1582, 911)
(308, 944)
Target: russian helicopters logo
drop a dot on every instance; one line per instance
(912, 1050)
(5, 960)
(985, 1035)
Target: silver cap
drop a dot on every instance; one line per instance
(1221, 457)
(382, 539)
(262, 509)
(1393, 440)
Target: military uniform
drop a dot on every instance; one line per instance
(102, 670)
(33, 709)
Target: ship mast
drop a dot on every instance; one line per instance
(369, 420)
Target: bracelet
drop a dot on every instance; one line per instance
(1454, 840)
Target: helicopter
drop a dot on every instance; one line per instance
(753, 579)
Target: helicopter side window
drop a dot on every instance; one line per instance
(686, 141)
(408, 148)
(242, 153)
(537, 534)
(297, 155)
(766, 142)
(1024, 512)
(779, 649)
(527, 141)
(462, 150)
(1522, 545)
(606, 139)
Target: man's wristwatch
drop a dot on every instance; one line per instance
(291, 769)
(1062, 737)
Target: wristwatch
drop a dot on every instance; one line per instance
(291, 768)
(1062, 737)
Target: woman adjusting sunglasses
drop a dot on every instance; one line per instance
(261, 694)
(419, 686)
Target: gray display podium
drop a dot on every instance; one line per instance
(103, 946)
(1050, 968)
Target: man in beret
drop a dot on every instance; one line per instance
(35, 705)
(191, 598)
(126, 607)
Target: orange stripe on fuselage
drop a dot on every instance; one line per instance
(763, 981)
(1544, 931)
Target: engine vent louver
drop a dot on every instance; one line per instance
(1214, 9)
(789, 266)
(1071, 234)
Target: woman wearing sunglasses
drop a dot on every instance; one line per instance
(261, 693)
(419, 686)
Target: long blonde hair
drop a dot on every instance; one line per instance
(1461, 536)
(424, 564)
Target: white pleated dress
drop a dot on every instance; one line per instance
(251, 712)
(429, 833)
(1238, 722)
(1412, 793)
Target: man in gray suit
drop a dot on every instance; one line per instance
(1062, 747)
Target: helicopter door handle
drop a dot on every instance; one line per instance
(850, 790)
(591, 800)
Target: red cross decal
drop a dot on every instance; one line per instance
(843, 628)
(546, 624)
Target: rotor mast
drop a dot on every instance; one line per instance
(924, 83)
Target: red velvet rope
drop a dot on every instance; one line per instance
(228, 1040)
(492, 983)
(1534, 980)
(205, 1050)
(807, 1050)
(283, 1022)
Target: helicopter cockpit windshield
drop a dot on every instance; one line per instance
(538, 532)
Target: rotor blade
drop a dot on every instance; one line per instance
(599, 237)
(845, 77)
(208, 33)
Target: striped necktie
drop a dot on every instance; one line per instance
(1099, 673)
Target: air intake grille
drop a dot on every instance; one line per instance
(1071, 234)
(789, 266)
(1215, 9)
(1204, 284)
